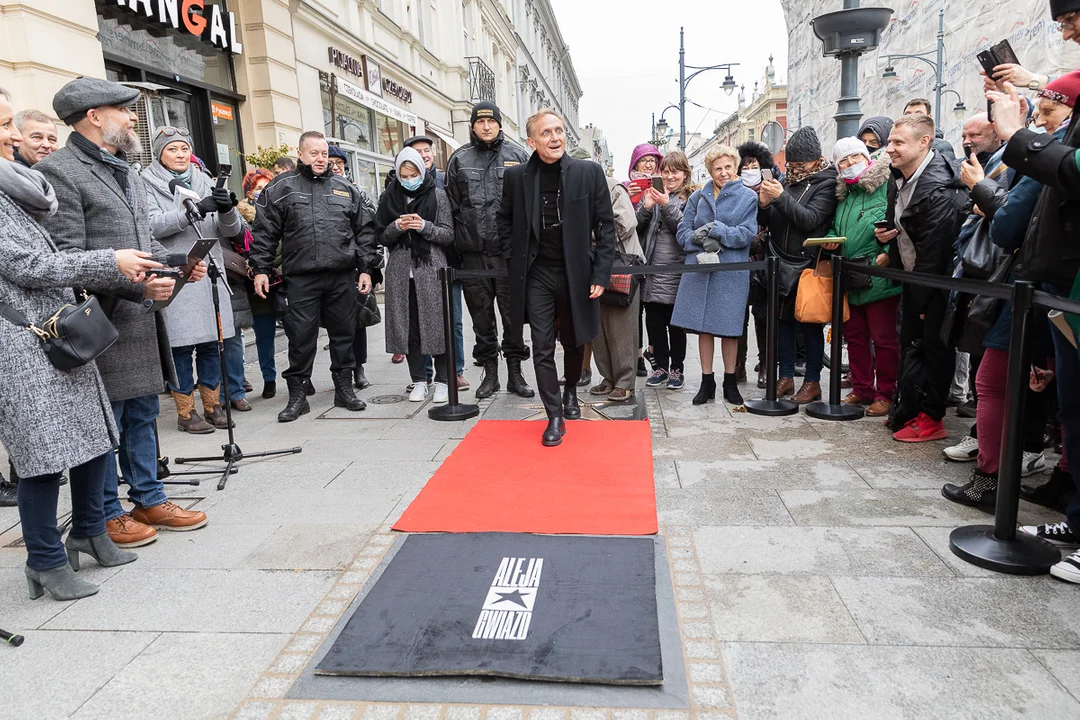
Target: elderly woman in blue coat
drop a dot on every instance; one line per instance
(718, 223)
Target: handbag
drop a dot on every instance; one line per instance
(856, 280)
(911, 387)
(790, 272)
(982, 311)
(367, 310)
(813, 302)
(72, 336)
(981, 257)
(621, 289)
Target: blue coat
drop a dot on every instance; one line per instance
(715, 303)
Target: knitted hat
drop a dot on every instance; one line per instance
(849, 146)
(169, 134)
(486, 109)
(803, 146)
(1064, 89)
(580, 153)
(1062, 7)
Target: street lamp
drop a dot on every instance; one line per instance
(960, 108)
(661, 130)
(938, 65)
(728, 85)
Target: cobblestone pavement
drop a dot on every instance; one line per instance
(809, 560)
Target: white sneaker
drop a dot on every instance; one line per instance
(1033, 463)
(964, 451)
(419, 392)
(442, 393)
(1068, 569)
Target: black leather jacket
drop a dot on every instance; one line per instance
(324, 223)
(474, 180)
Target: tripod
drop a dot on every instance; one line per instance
(232, 452)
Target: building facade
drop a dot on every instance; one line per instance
(592, 139)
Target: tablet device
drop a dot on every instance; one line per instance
(810, 242)
(199, 250)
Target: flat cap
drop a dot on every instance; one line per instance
(418, 138)
(83, 93)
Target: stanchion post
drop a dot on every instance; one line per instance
(770, 406)
(453, 409)
(835, 409)
(999, 547)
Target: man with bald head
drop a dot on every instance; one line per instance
(978, 132)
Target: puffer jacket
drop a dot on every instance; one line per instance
(324, 223)
(658, 226)
(804, 210)
(858, 207)
(474, 181)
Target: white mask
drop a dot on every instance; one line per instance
(751, 178)
(852, 173)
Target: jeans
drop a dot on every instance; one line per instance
(815, 349)
(234, 367)
(37, 511)
(459, 339)
(668, 341)
(873, 324)
(265, 327)
(138, 456)
(207, 365)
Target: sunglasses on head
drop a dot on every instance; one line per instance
(170, 131)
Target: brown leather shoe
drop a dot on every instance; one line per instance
(784, 386)
(878, 408)
(853, 399)
(620, 395)
(604, 388)
(168, 516)
(808, 393)
(127, 532)
(241, 405)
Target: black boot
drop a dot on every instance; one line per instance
(515, 381)
(269, 389)
(554, 431)
(980, 491)
(343, 392)
(490, 384)
(707, 391)
(9, 493)
(298, 404)
(309, 387)
(360, 378)
(570, 407)
(731, 389)
(1054, 493)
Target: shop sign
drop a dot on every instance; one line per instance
(192, 17)
(391, 87)
(359, 95)
(346, 62)
(224, 112)
(372, 76)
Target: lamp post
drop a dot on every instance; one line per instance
(728, 85)
(661, 129)
(938, 65)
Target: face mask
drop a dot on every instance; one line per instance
(412, 183)
(851, 175)
(751, 178)
(255, 195)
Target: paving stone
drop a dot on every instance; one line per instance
(816, 551)
(1063, 664)
(381, 712)
(271, 687)
(290, 663)
(697, 630)
(877, 508)
(315, 546)
(711, 697)
(255, 711)
(337, 712)
(423, 712)
(930, 474)
(693, 611)
(694, 447)
(629, 715)
(701, 649)
(219, 545)
(463, 712)
(304, 642)
(587, 714)
(706, 672)
(671, 715)
(297, 711)
(703, 504)
(545, 714)
(937, 538)
(779, 609)
(771, 680)
(504, 713)
(776, 474)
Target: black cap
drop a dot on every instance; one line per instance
(486, 109)
(419, 138)
(1062, 7)
(336, 152)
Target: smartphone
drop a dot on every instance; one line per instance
(967, 151)
(766, 174)
(641, 184)
(988, 61)
(883, 225)
(658, 183)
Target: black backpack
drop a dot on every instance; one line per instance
(910, 387)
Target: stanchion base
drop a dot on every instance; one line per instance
(1024, 555)
(451, 413)
(771, 408)
(825, 411)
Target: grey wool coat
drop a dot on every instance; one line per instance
(429, 302)
(50, 420)
(190, 316)
(94, 215)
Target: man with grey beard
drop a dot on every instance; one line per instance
(103, 205)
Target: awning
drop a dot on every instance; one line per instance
(446, 137)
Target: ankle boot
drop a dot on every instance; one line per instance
(211, 402)
(808, 393)
(269, 389)
(309, 387)
(707, 391)
(101, 548)
(980, 491)
(1054, 493)
(360, 378)
(490, 384)
(187, 420)
(570, 407)
(61, 582)
(297, 406)
(343, 392)
(731, 389)
(553, 433)
(515, 381)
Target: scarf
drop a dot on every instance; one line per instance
(28, 189)
(397, 201)
(796, 176)
(117, 163)
(184, 177)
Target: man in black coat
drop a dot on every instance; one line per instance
(554, 208)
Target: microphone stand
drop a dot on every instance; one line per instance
(232, 452)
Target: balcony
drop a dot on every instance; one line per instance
(481, 81)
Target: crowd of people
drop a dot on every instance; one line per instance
(538, 238)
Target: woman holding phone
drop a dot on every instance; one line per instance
(644, 163)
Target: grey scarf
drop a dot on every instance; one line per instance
(117, 164)
(28, 189)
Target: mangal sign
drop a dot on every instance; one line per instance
(200, 18)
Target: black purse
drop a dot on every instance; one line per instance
(621, 289)
(367, 310)
(856, 280)
(74, 335)
(790, 272)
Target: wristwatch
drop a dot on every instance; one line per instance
(1036, 83)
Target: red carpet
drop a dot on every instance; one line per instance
(501, 479)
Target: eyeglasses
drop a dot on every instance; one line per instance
(1066, 19)
(170, 131)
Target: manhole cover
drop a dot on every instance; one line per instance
(387, 399)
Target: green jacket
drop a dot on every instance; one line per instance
(860, 206)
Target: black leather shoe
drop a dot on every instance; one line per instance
(570, 407)
(554, 432)
(269, 389)
(360, 380)
(9, 493)
(1054, 493)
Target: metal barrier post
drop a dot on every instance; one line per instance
(452, 410)
(770, 406)
(835, 409)
(999, 547)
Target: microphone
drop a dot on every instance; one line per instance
(188, 198)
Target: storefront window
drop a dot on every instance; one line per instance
(383, 170)
(391, 135)
(350, 121)
(198, 61)
(365, 177)
(227, 141)
(170, 110)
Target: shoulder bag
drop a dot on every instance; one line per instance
(813, 300)
(74, 335)
(621, 289)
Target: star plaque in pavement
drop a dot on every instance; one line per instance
(514, 597)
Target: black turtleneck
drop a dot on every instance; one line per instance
(550, 251)
(309, 172)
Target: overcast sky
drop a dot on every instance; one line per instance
(626, 54)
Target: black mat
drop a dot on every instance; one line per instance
(573, 609)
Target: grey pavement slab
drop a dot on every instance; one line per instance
(703, 447)
(788, 551)
(219, 545)
(1064, 665)
(315, 546)
(19, 612)
(185, 675)
(776, 474)
(334, 503)
(877, 507)
(937, 539)
(702, 504)
(781, 680)
(913, 473)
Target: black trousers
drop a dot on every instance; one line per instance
(668, 342)
(481, 295)
(326, 298)
(359, 346)
(940, 359)
(415, 358)
(547, 305)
